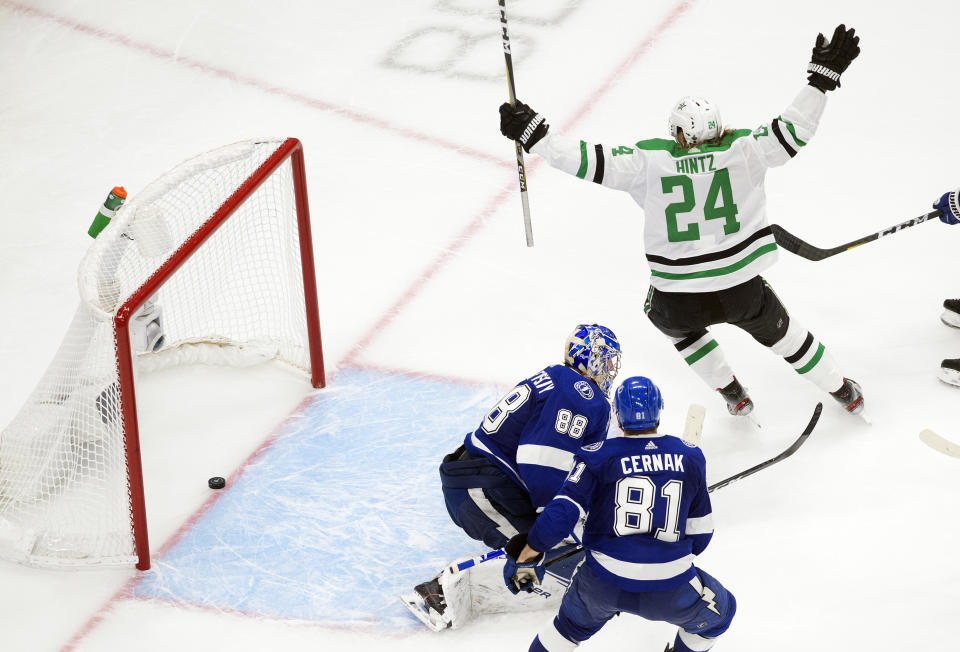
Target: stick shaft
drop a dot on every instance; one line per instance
(795, 245)
(521, 167)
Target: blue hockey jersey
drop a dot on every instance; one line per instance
(647, 506)
(534, 431)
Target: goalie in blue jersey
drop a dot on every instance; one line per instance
(648, 516)
(513, 464)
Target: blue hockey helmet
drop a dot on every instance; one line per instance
(638, 402)
(594, 351)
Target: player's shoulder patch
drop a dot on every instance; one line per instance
(592, 448)
(584, 389)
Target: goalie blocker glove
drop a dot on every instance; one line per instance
(948, 205)
(831, 58)
(521, 576)
(521, 123)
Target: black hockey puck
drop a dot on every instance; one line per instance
(216, 482)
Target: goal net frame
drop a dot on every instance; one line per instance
(292, 149)
(126, 354)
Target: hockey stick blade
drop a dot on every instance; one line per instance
(795, 245)
(773, 460)
(938, 443)
(693, 426)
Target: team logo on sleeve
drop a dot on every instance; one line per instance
(593, 447)
(584, 389)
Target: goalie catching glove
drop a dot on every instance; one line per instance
(831, 58)
(950, 207)
(521, 123)
(521, 576)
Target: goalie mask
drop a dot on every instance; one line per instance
(697, 118)
(594, 351)
(638, 402)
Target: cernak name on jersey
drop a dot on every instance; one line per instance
(650, 463)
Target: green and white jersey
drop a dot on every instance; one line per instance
(705, 225)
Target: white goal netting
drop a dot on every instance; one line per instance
(65, 496)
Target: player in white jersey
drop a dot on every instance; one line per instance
(706, 234)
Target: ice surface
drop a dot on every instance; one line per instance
(339, 515)
(431, 304)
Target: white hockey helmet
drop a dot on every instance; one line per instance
(697, 118)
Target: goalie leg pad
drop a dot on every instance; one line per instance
(461, 596)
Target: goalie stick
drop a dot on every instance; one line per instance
(938, 443)
(795, 245)
(499, 552)
(521, 168)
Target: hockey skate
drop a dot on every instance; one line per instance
(738, 403)
(950, 371)
(850, 396)
(951, 313)
(428, 604)
(454, 597)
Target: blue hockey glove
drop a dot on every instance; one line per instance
(948, 205)
(521, 576)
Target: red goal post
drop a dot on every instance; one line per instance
(216, 257)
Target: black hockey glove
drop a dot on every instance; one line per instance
(523, 124)
(521, 576)
(831, 58)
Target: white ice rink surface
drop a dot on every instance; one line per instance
(425, 279)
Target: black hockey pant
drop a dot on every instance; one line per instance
(685, 317)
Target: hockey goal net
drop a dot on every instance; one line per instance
(211, 262)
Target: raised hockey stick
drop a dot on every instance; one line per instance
(773, 460)
(795, 245)
(938, 443)
(521, 168)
